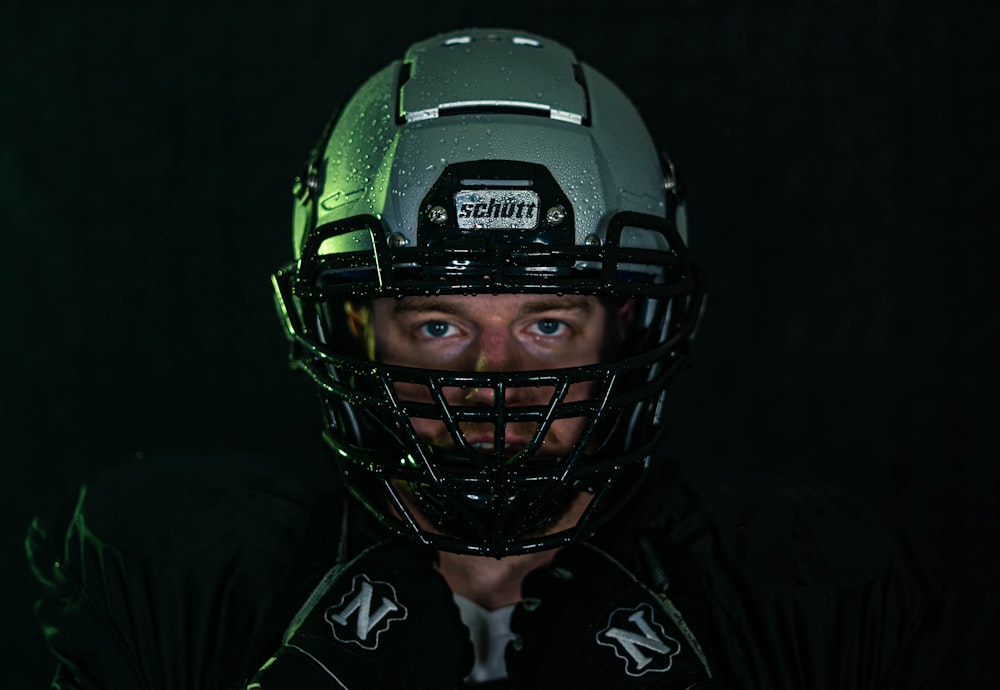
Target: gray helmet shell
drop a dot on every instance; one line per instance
(488, 95)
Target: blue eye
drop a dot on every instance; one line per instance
(549, 326)
(436, 329)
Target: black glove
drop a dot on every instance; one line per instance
(384, 620)
(587, 622)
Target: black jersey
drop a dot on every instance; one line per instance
(182, 573)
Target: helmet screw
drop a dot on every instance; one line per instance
(555, 215)
(592, 240)
(398, 239)
(437, 215)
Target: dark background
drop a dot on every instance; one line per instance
(841, 165)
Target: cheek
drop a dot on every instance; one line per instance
(446, 354)
(413, 392)
(431, 430)
(589, 347)
(585, 390)
(425, 428)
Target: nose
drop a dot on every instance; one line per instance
(498, 351)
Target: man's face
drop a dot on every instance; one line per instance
(491, 333)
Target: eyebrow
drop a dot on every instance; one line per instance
(578, 303)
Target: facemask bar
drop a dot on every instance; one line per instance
(490, 265)
(369, 423)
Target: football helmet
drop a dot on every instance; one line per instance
(488, 162)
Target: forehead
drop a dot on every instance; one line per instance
(488, 306)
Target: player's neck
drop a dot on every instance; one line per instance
(490, 582)
(496, 582)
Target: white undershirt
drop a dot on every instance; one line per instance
(490, 632)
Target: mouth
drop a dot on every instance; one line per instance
(482, 443)
(510, 449)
